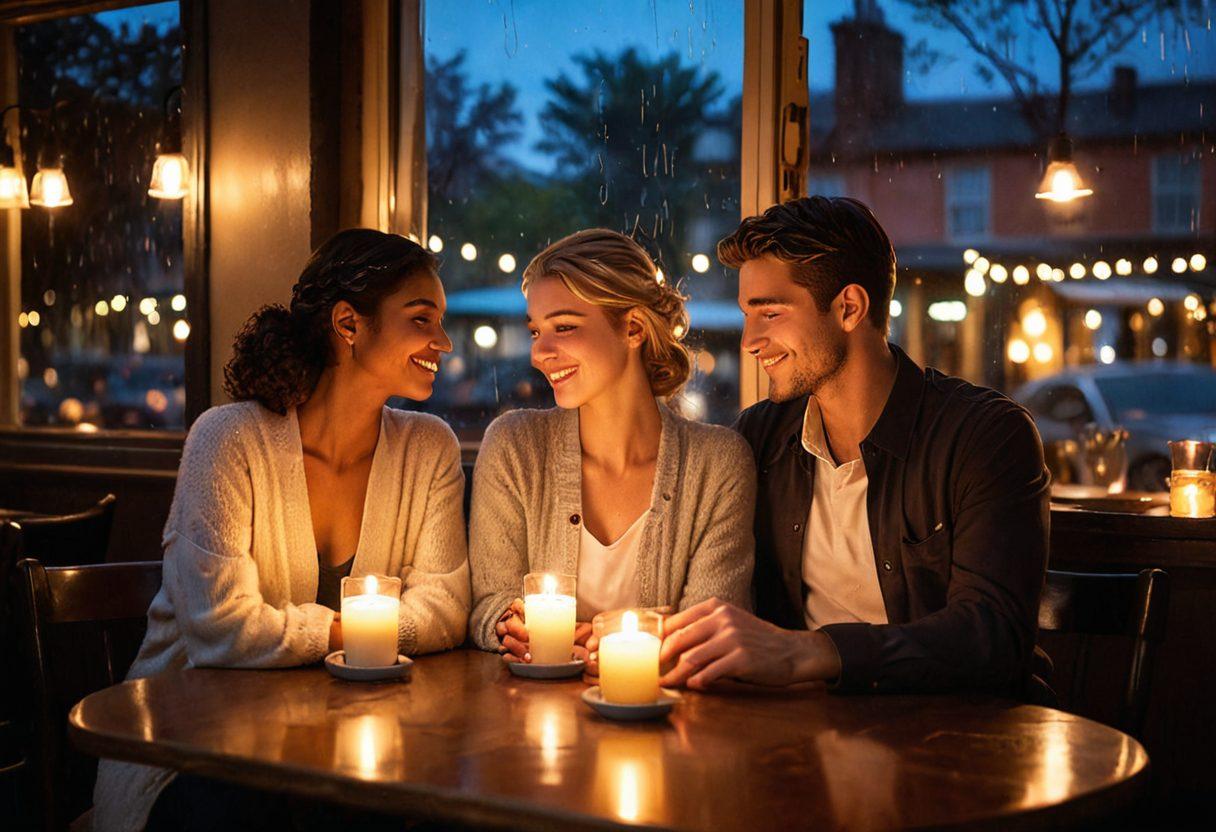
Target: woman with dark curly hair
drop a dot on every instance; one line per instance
(306, 478)
(644, 507)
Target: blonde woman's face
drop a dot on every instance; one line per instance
(574, 343)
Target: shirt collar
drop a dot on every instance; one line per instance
(813, 437)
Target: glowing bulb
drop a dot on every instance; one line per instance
(1057, 275)
(170, 173)
(177, 304)
(23, 320)
(50, 188)
(1155, 307)
(1093, 319)
(101, 308)
(678, 330)
(506, 263)
(1102, 270)
(468, 251)
(35, 318)
(1150, 265)
(1043, 272)
(1062, 183)
(1107, 354)
(154, 317)
(48, 297)
(1043, 352)
(118, 303)
(485, 336)
(659, 277)
(1019, 351)
(974, 284)
(181, 330)
(1076, 271)
(435, 244)
(1160, 347)
(13, 193)
(700, 263)
(970, 256)
(1191, 302)
(1035, 323)
(1179, 265)
(981, 265)
(998, 273)
(147, 306)
(897, 308)
(1198, 262)
(1021, 275)
(1123, 266)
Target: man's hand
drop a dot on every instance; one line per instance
(335, 633)
(716, 640)
(589, 652)
(512, 634)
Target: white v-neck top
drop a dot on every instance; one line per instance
(607, 574)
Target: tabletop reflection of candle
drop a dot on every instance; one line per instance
(369, 620)
(629, 779)
(629, 662)
(1192, 494)
(549, 608)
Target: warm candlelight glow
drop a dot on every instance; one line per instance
(629, 658)
(1193, 494)
(370, 620)
(549, 614)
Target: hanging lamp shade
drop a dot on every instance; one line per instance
(170, 173)
(13, 191)
(1061, 181)
(50, 188)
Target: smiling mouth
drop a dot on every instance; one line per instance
(429, 366)
(769, 362)
(559, 376)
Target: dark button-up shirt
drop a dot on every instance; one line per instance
(958, 513)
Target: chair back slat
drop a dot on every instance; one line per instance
(1130, 606)
(68, 539)
(73, 621)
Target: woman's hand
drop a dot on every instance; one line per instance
(512, 634)
(335, 633)
(586, 648)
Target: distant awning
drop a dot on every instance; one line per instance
(505, 302)
(1130, 291)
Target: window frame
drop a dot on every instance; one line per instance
(1175, 192)
(123, 450)
(951, 198)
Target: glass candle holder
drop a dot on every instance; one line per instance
(629, 642)
(1192, 485)
(370, 608)
(549, 615)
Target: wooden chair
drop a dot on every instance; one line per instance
(1128, 605)
(81, 628)
(54, 539)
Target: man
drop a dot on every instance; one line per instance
(902, 515)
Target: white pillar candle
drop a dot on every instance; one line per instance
(629, 664)
(549, 618)
(369, 626)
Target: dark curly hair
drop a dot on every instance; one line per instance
(280, 353)
(830, 241)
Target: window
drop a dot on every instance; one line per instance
(543, 119)
(967, 202)
(103, 317)
(1176, 191)
(825, 184)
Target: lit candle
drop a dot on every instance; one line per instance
(1192, 494)
(369, 621)
(629, 664)
(549, 617)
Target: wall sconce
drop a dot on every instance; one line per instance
(171, 171)
(1061, 181)
(50, 188)
(13, 192)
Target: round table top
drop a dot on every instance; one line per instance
(465, 740)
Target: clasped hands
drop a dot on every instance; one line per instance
(709, 642)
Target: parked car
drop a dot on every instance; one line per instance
(1155, 402)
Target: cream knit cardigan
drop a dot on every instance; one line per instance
(527, 509)
(240, 562)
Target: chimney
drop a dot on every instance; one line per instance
(1122, 96)
(869, 65)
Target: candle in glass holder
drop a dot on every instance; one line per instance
(1192, 494)
(549, 615)
(629, 645)
(370, 608)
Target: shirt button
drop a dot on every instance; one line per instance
(574, 518)
(797, 527)
(667, 497)
(886, 566)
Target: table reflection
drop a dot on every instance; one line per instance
(369, 745)
(1052, 774)
(629, 776)
(551, 724)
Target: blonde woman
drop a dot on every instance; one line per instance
(648, 509)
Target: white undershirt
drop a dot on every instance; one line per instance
(607, 574)
(837, 553)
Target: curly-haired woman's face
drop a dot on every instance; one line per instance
(401, 348)
(580, 350)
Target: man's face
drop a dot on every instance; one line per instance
(799, 347)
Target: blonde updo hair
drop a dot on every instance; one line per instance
(609, 270)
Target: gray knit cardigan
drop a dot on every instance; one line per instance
(527, 510)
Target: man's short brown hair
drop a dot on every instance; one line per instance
(830, 242)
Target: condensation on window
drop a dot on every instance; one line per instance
(103, 320)
(546, 118)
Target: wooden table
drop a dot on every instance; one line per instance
(466, 741)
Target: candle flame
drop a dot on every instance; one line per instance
(629, 622)
(370, 585)
(549, 583)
